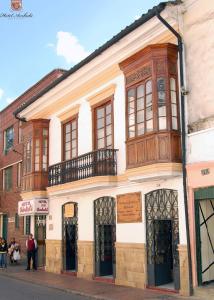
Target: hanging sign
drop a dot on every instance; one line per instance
(129, 209)
(33, 207)
(69, 210)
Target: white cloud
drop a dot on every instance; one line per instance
(50, 45)
(1, 93)
(69, 47)
(9, 100)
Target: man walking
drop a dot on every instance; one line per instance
(31, 245)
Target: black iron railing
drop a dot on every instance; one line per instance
(97, 163)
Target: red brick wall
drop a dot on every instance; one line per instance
(9, 200)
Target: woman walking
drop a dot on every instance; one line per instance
(3, 254)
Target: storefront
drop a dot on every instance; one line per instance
(35, 211)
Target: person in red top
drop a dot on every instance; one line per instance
(31, 245)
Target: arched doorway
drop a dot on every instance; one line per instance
(105, 236)
(162, 237)
(70, 236)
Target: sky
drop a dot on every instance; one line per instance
(56, 34)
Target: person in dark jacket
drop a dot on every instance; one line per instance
(3, 254)
(31, 245)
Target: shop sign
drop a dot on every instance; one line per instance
(129, 208)
(69, 210)
(11, 220)
(33, 207)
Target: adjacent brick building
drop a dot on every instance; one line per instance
(11, 151)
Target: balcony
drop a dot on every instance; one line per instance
(97, 163)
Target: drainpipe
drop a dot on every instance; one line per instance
(183, 139)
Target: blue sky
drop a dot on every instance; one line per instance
(58, 35)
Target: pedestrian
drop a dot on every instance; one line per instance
(3, 253)
(31, 245)
(11, 249)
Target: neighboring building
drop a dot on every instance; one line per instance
(198, 35)
(11, 152)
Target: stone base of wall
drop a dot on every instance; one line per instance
(184, 271)
(54, 256)
(131, 265)
(85, 259)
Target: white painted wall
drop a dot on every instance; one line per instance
(54, 140)
(198, 21)
(130, 232)
(200, 146)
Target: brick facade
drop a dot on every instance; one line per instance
(9, 199)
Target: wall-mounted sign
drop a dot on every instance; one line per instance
(11, 220)
(33, 207)
(69, 210)
(129, 209)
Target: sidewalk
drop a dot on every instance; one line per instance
(89, 288)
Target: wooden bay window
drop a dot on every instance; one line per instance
(152, 112)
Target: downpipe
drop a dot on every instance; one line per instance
(183, 140)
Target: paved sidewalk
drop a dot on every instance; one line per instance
(89, 288)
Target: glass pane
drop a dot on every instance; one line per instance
(162, 111)
(140, 116)
(109, 140)
(45, 143)
(67, 137)
(67, 128)
(140, 103)
(172, 84)
(36, 167)
(174, 123)
(74, 125)
(108, 119)
(149, 125)
(100, 113)
(74, 152)
(67, 146)
(132, 131)
(174, 110)
(149, 113)
(74, 134)
(131, 95)
(100, 133)
(149, 100)
(37, 143)
(140, 128)
(140, 91)
(100, 123)
(45, 132)
(108, 130)
(108, 109)
(162, 123)
(131, 107)
(67, 155)
(131, 120)
(36, 159)
(173, 97)
(100, 144)
(148, 87)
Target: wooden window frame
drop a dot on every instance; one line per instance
(5, 133)
(104, 102)
(64, 123)
(19, 174)
(6, 189)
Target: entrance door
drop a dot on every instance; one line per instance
(40, 235)
(70, 236)
(205, 240)
(70, 245)
(106, 251)
(163, 251)
(105, 236)
(162, 238)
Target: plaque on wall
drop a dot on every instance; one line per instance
(129, 209)
(69, 210)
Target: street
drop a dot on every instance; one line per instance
(12, 289)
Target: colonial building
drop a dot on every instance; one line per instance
(110, 131)
(199, 64)
(11, 155)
